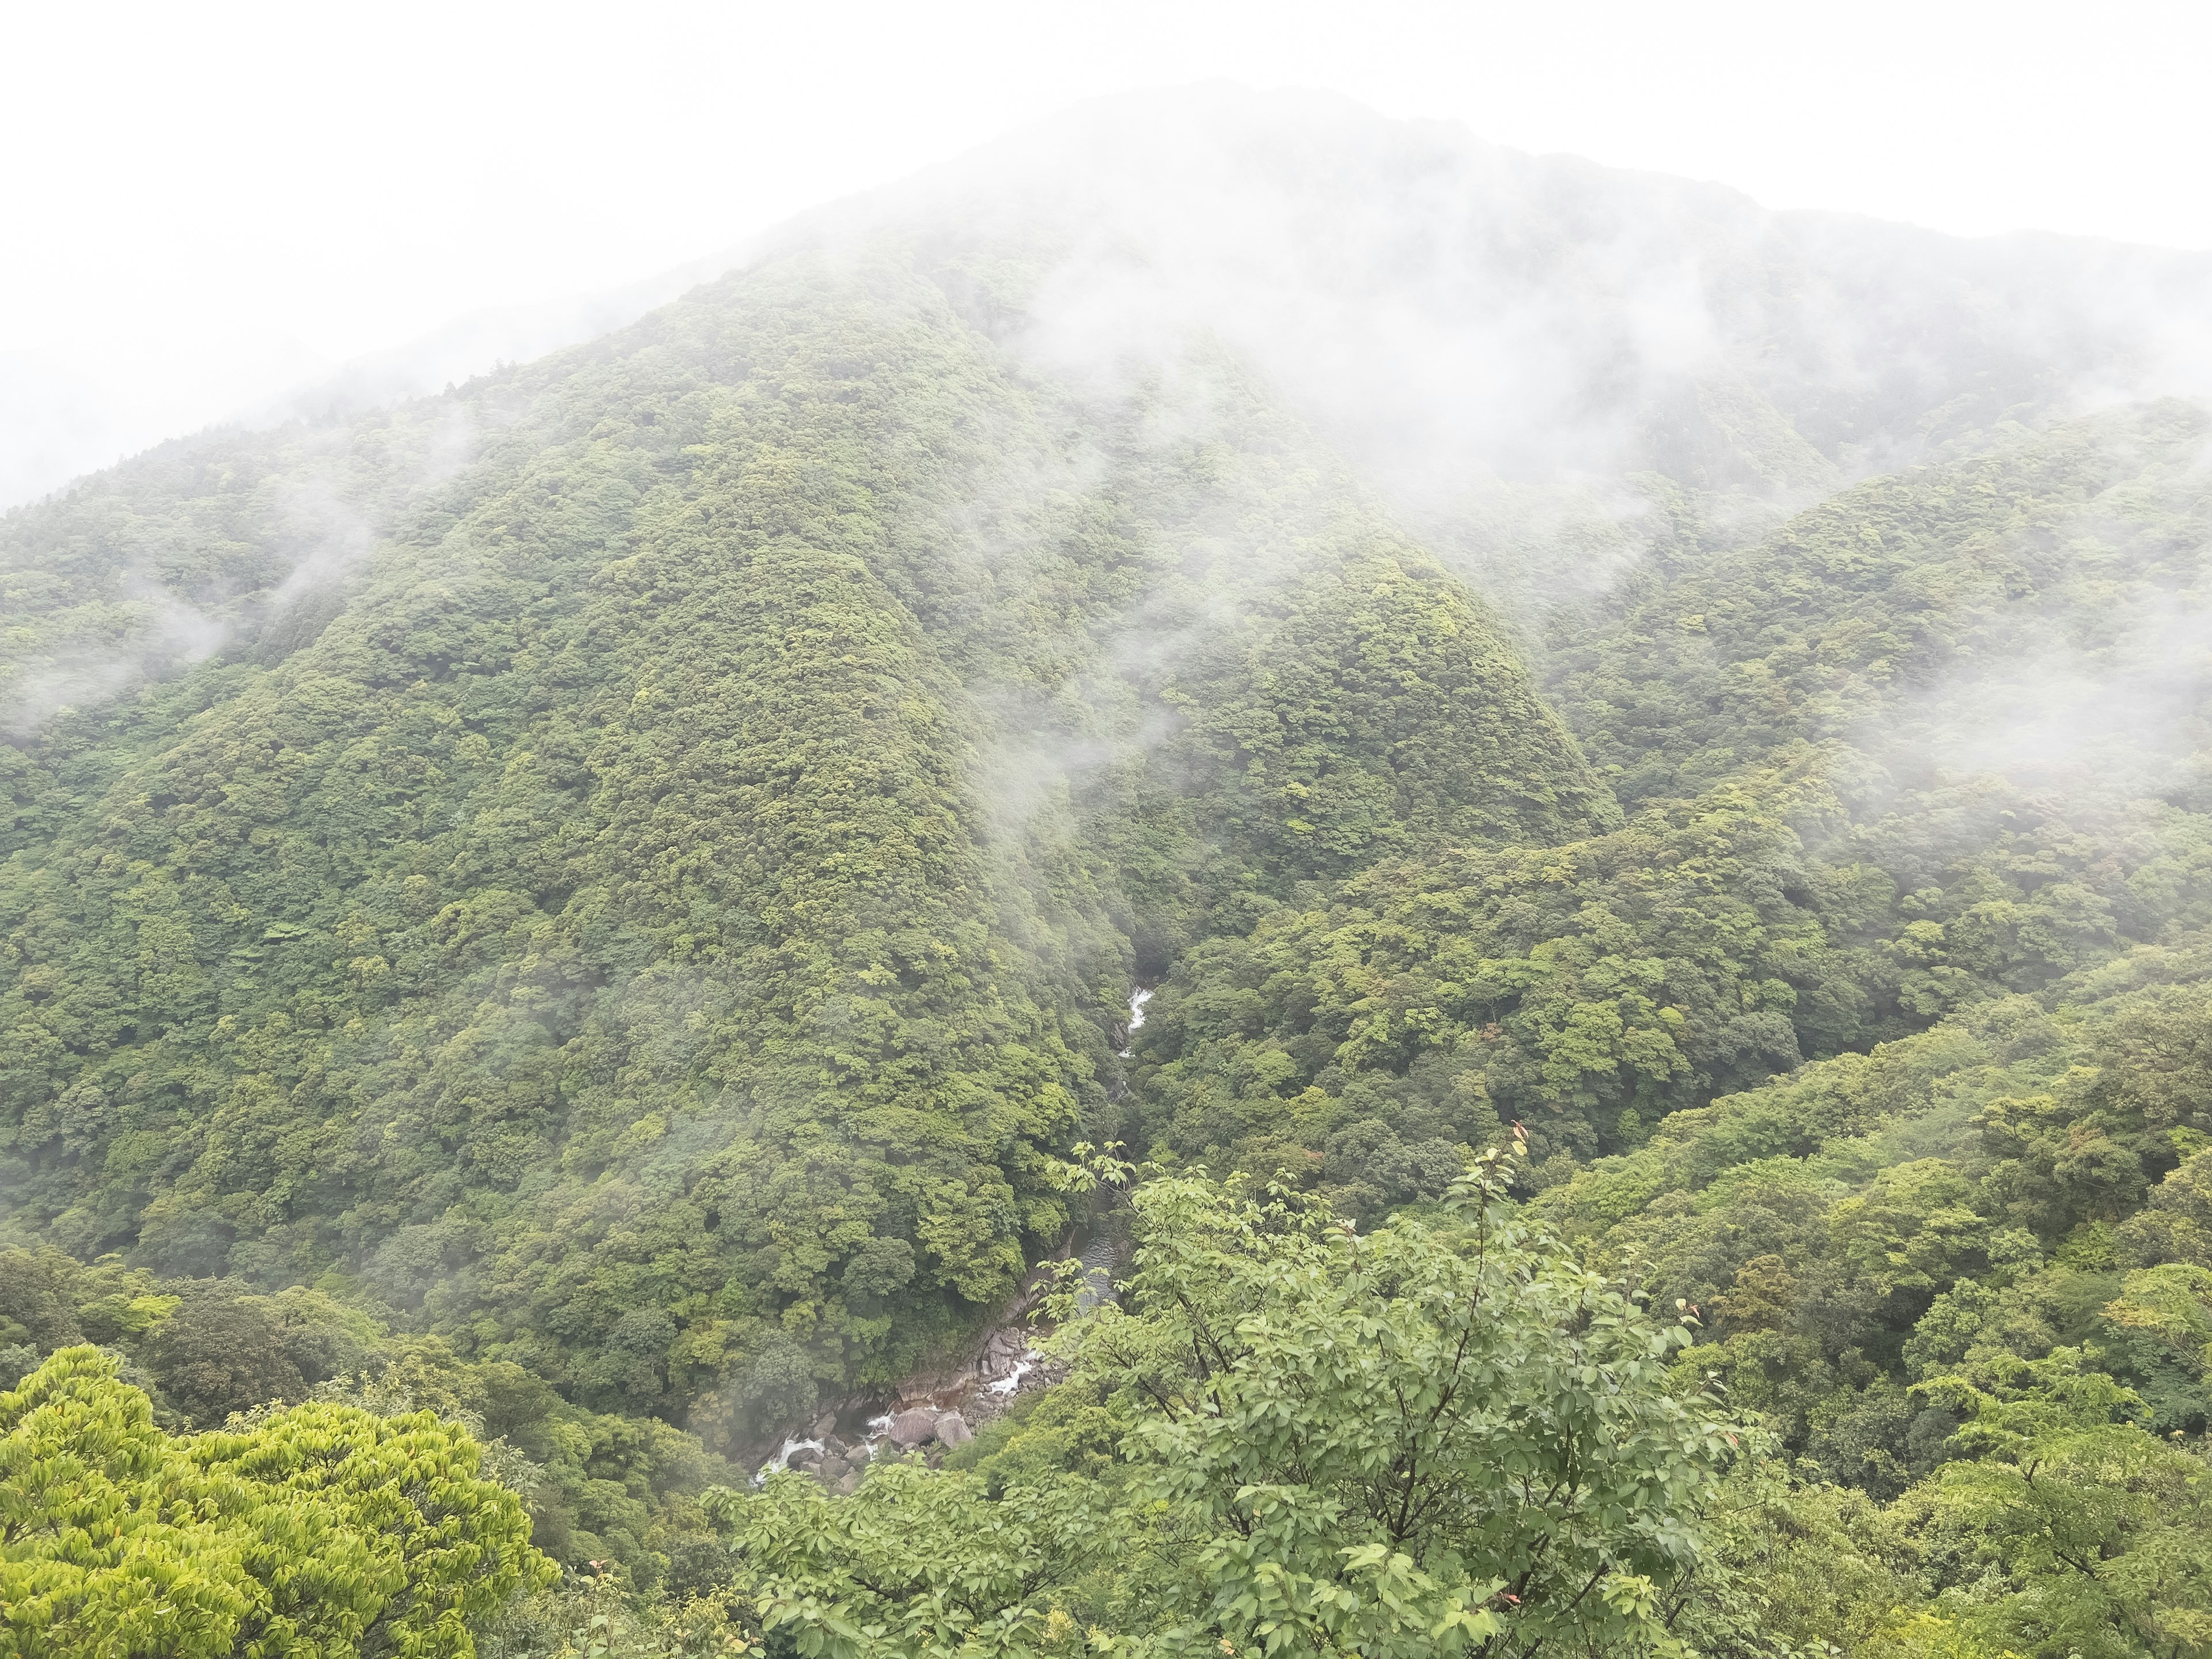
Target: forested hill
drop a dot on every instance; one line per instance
(602, 901)
(649, 924)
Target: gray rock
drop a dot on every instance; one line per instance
(825, 1426)
(953, 1429)
(912, 1428)
(848, 1484)
(833, 1470)
(804, 1456)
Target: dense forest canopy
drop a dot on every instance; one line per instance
(566, 928)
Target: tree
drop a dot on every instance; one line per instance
(321, 1530)
(2066, 1530)
(225, 1355)
(1440, 1436)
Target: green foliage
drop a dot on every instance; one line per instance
(1376, 709)
(597, 1486)
(2067, 1529)
(589, 1616)
(642, 932)
(1909, 1274)
(1856, 611)
(315, 1530)
(1433, 1437)
(1568, 987)
(2175, 1224)
(570, 925)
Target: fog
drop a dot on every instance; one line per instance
(209, 214)
(1504, 347)
(1452, 312)
(1501, 349)
(1397, 316)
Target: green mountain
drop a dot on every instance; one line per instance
(628, 917)
(608, 896)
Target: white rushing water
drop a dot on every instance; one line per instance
(871, 1438)
(782, 1459)
(1004, 1386)
(1137, 999)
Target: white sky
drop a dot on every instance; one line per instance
(216, 196)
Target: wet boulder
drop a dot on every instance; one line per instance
(912, 1428)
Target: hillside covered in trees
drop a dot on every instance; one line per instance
(1648, 757)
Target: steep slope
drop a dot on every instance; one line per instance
(1914, 615)
(1936, 741)
(655, 918)
(629, 872)
(1507, 348)
(2008, 1183)
(1460, 319)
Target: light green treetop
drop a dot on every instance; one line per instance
(320, 1530)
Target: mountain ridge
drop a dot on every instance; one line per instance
(613, 892)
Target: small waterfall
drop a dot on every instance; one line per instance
(1007, 1386)
(782, 1459)
(1137, 999)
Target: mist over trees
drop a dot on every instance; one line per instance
(1649, 754)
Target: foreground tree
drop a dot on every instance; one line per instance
(2063, 1530)
(1438, 1437)
(320, 1530)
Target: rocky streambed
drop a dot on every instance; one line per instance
(931, 1413)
